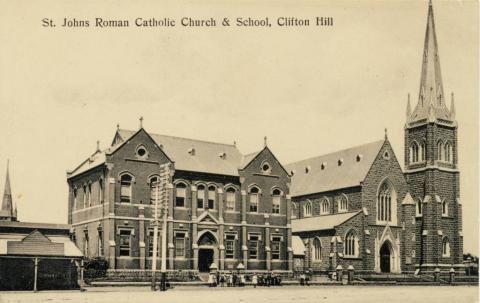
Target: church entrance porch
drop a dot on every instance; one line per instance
(205, 259)
(385, 258)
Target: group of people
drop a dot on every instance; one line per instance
(305, 278)
(232, 279)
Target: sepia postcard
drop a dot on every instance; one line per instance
(248, 151)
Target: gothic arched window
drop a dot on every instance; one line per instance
(180, 194)
(307, 209)
(418, 207)
(200, 196)
(444, 208)
(317, 250)
(254, 197)
(154, 183)
(448, 152)
(350, 248)
(445, 247)
(423, 152)
(386, 202)
(440, 151)
(324, 207)
(230, 205)
(276, 198)
(211, 197)
(414, 151)
(342, 204)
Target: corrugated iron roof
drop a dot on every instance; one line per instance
(325, 222)
(341, 169)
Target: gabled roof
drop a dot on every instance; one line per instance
(207, 157)
(321, 222)
(249, 158)
(333, 176)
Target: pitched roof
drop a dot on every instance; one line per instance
(333, 176)
(208, 157)
(431, 99)
(321, 222)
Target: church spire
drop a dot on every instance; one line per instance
(431, 100)
(6, 212)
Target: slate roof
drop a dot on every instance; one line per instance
(325, 222)
(207, 157)
(333, 176)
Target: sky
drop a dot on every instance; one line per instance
(310, 90)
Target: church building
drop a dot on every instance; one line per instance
(356, 207)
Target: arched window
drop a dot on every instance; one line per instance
(324, 207)
(254, 197)
(200, 197)
(414, 151)
(211, 197)
(385, 202)
(101, 192)
(418, 207)
(423, 152)
(276, 198)
(444, 208)
(74, 199)
(154, 183)
(84, 198)
(317, 250)
(307, 209)
(350, 247)
(180, 194)
(125, 188)
(445, 247)
(440, 151)
(448, 152)
(342, 204)
(230, 206)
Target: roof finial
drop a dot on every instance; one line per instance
(430, 2)
(98, 146)
(141, 122)
(452, 107)
(234, 143)
(265, 141)
(386, 134)
(118, 126)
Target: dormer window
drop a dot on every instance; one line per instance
(359, 157)
(340, 162)
(323, 166)
(307, 169)
(222, 155)
(191, 151)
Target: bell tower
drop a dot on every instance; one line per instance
(431, 164)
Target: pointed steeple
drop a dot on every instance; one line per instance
(452, 108)
(6, 212)
(431, 100)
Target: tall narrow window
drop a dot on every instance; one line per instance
(445, 247)
(307, 209)
(317, 250)
(294, 210)
(342, 204)
(84, 196)
(444, 208)
(448, 152)
(440, 151)
(324, 207)
(253, 247)
(350, 248)
(211, 197)
(75, 192)
(181, 189)
(101, 192)
(384, 203)
(230, 206)
(276, 198)
(414, 150)
(419, 207)
(125, 188)
(100, 243)
(125, 242)
(154, 183)
(150, 242)
(229, 246)
(254, 193)
(200, 196)
(423, 152)
(86, 245)
(180, 245)
(276, 247)
(89, 198)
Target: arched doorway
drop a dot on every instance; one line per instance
(207, 245)
(385, 257)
